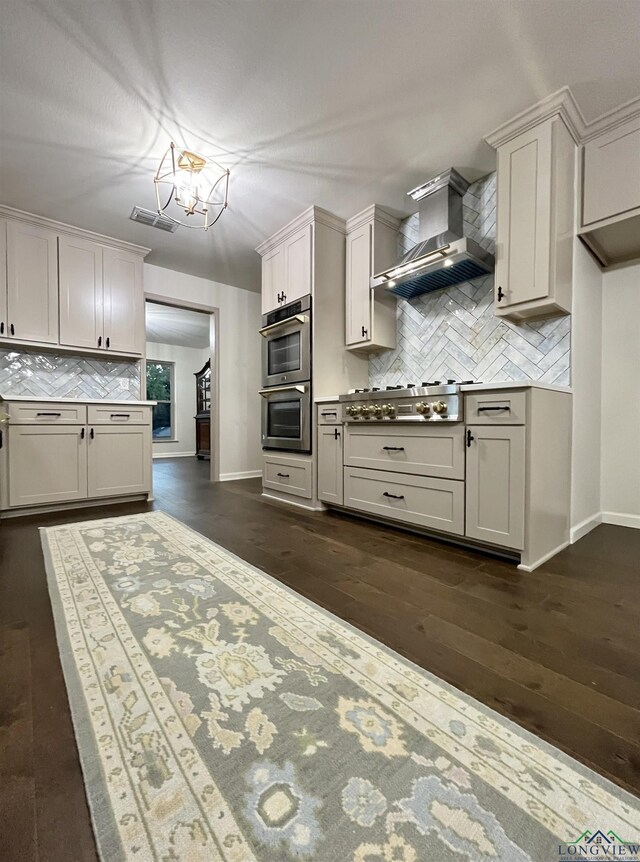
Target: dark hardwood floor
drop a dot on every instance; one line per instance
(557, 650)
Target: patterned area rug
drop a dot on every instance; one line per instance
(220, 716)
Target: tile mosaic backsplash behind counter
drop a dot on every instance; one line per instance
(453, 333)
(48, 375)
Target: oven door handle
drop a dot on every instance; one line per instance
(299, 387)
(267, 330)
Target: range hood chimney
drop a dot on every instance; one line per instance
(444, 255)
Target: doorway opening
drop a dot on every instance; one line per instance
(180, 374)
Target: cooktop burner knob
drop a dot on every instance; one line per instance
(439, 407)
(368, 411)
(389, 410)
(377, 411)
(423, 408)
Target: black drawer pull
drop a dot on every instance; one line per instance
(92, 434)
(393, 496)
(108, 342)
(330, 413)
(82, 434)
(121, 415)
(48, 414)
(2, 328)
(393, 448)
(283, 475)
(470, 437)
(99, 341)
(336, 434)
(12, 329)
(500, 294)
(488, 409)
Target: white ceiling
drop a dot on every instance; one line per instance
(178, 326)
(341, 104)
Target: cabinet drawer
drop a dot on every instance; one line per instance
(118, 414)
(329, 414)
(496, 408)
(47, 413)
(424, 502)
(288, 474)
(423, 450)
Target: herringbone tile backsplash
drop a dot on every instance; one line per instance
(453, 333)
(46, 375)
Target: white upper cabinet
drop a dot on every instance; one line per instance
(32, 283)
(298, 264)
(80, 268)
(123, 301)
(610, 224)
(535, 222)
(611, 173)
(296, 259)
(272, 279)
(370, 321)
(69, 287)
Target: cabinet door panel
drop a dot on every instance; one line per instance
(330, 472)
(47, 464)
(80, 268)
(123, 302)
(357, 288)
(119, 460)
(3, 278)
(495, 485)
(524, 216)
(297, 250)
(272, 279)
(612, 173)
(32, 283)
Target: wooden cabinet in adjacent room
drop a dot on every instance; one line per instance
(203, 411)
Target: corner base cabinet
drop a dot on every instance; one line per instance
(58, 453)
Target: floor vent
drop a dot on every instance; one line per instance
(152, 219)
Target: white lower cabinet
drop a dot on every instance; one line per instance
(60, 452)
(118, 460)
(289, 474)
(496, 484)
(47, 464)
(330, 471)
(419, 500)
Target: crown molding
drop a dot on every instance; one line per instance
(312, 215)
(612, 119)
(559, 104)
(71, 230)
(373, 213)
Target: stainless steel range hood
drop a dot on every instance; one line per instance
(443, 256)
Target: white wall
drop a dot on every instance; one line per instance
(187, 360)
(621, 397)
(586, 377)
(239, 362)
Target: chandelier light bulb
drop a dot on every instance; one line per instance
(189, 185)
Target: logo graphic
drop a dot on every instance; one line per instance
(599, 845)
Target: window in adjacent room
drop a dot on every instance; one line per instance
(160, 389)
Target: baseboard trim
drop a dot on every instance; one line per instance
(530, 567)
(308, 508)
(173, 455)
(585, 527)
(621, 519)
(246, 474)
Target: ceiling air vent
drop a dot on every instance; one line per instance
(152, 219)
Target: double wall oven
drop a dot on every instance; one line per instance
(286, 377)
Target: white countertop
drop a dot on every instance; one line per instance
(46, 400)
(515, 384)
